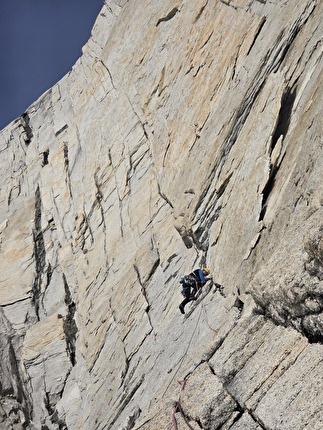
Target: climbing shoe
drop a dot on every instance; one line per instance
(181, 308)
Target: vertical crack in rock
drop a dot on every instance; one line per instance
(66, 168)
(70, 327)
(168, 17)
(99, 198)
(39, 252)
(25, 122)
(45, 158)
(48, 274)
(281, 129)
(284, 116)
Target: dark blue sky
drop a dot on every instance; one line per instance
(40, 40)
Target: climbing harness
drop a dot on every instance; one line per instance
(188, 282)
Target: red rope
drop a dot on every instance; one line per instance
(177, 406)
(206, 319)
(173, 415)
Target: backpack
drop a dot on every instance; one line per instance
(188, 280)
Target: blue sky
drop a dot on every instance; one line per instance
(40, 40)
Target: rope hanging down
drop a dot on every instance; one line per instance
(177, 405)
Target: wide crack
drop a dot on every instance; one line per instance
(39, 252)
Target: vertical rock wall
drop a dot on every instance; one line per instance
(188, 133)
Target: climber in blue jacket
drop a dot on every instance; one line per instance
(191, 284)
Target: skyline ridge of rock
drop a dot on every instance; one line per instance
(185, 135)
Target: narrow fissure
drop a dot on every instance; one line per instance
(61, 130)
(25, 122)
(284, 115)
(281, 129)
(45, 158)
(168, 17)
(66, 165)
(39, 252)
(69, 324)
(200, 12)
(261, 25)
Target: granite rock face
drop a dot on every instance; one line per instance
(187, 134)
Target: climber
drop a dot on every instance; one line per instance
(193, 282)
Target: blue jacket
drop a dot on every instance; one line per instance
(200, 276)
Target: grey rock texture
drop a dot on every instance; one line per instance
(187, 134)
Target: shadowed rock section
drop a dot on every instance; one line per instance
(187, 134)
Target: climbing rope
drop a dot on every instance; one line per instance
(206, 319)
(177, 406)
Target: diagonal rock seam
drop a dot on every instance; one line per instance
(169, 16)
